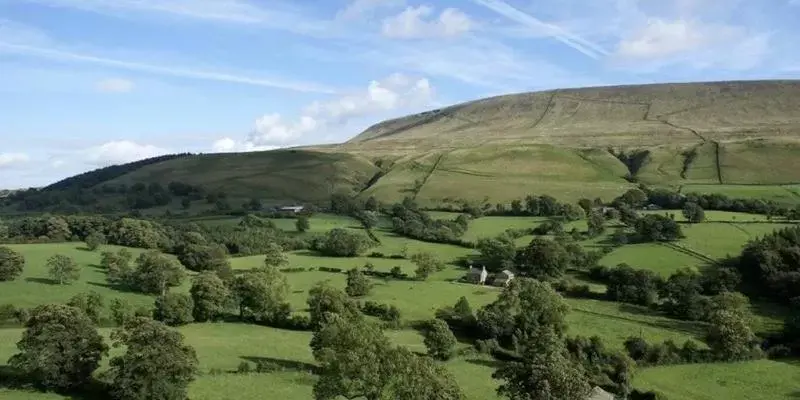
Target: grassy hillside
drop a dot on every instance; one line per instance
(725, 137)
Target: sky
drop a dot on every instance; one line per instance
(91, 83)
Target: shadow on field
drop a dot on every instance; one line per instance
(83, 248)
(118, 288)
(44, 281)
(269, 364)
(13, 379)
(794, 395)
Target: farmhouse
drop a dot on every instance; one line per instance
(294, 209)
(477, 275)
(503, 278)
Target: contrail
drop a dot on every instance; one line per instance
(576, 42)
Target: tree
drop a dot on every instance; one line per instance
(186, 203)
(586, 205)
(439, 340)
(60, 347)
(3, 231)
(63, 269)
(657, 228)
(121, 311)
(57, 228)
(156, 365)
(273, 255)
(204, 257)
(498, 252)
(729, 336)
(173, 309)
(325, 300)
(543, 372)
(426, 263)
(357, 360)
(693, 212)
(90, 303)
(261, 295)
(155, 273)
(117, 266)
(524, 308)
(371, 204)
(368, 219)
(302, 224)
(634, 198)
(339, 242)
(11, 264)
(210, 297)
(358, 284)
(596, 224)
(544, 259)
(95, 240)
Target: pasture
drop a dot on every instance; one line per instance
(221, 347)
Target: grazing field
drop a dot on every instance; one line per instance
(753, 380)
(654, 257)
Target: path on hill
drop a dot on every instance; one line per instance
(428, 175)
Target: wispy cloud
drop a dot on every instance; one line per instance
(574, 41)
(61, 55)
(115, 85)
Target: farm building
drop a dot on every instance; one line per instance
(477, 275)
(294, 209)
(503, 278)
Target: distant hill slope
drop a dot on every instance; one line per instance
(617, 115)
(571, 143)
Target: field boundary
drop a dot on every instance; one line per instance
(428, 175)
(688, 251)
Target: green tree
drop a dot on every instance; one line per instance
(358, 284)
(544, 259)
(57, 228)
(694, 213)
(657, 228)
(368, 219)
(339, 242)
(3, 231)
(324, 300)
(596, 224)
(498, 252)
(63, 269)
(60, 347)
(90, 303)
(95, 240)
(121, 311)
(156, 365)
(729, 336)
(210, 297)
(439, 340)
(634, 198)
(543, 372)
(11, 264)
(426, 263)
(357, 360)
(156, 272)
(261, 295)
(173, 309)
(586, 205)
(302, 224)
(186, 203)
(274, 256)
(204, 257)
(524, 308)
(117, 266)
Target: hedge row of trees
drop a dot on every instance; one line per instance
(410, 221)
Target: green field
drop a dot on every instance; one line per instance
(221, 347)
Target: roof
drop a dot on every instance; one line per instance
(599, 394)
(507, 273)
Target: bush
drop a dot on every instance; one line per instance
(376, 254)
(174, 309)
(340, 242)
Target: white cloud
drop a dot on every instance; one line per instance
(421, 22)
(663, 42)
(9, 160)
(396, 92)
(121, 152)
(229, 145)
(115, 85)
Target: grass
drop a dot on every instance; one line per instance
(787, 194)
(754, 380)
(654, 257)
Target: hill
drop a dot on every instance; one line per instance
(739, 138)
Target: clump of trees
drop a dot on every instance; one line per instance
(771, 264)
(339, 242)
(408, 220)
(439, 339)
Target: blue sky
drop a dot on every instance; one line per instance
(89, 83)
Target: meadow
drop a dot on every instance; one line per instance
(221, 347)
